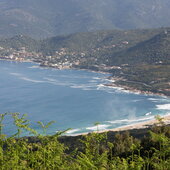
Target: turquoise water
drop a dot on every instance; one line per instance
(74, 99)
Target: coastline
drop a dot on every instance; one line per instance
(113, 80)
(112, 84)
(128, 89)
(135, 126)
(23, 61)
(142, 125)
(125, 89)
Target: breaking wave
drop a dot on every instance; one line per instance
(98, 127)
(163, 107)
(131, 120)
(72, 131)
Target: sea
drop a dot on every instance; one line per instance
(74, 99)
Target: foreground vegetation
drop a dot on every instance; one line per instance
(93, 151)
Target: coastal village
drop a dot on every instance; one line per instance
(20, 54)
(62, 59)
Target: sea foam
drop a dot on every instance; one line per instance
(98, 127)
(131, 120)
(72, 131)
(16, 74)
(20, 76)
(163, 107)
(31, 80)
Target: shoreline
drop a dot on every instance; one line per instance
(23, 61)
(134, 126)
(125, 89)
(128, 89)
(122, 88)
(140, 125)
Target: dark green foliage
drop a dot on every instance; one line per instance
(123, 144)
(96, 152)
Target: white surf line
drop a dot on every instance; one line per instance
(98, 127)
(163, 107)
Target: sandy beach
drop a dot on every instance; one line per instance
(141, 125)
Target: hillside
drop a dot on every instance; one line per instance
(19, 41)
(137, 59)
(115, 47)
(46, 18)
(113, 40)
(156, 49)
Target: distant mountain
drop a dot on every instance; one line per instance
(45, 18)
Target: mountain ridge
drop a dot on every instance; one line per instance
(42, 19)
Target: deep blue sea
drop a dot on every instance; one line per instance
(73, 98)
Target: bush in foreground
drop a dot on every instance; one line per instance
(95, 152)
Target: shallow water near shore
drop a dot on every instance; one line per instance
(73, 98)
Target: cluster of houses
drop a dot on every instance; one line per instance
(62, 59)
(20, 54)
